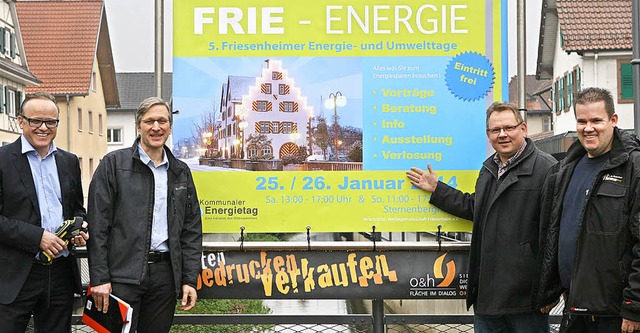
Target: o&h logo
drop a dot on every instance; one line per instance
(437, 271)
(437, 285)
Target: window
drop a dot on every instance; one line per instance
(7, 42)
(114, 135)
(570, 90)
(287, 128)
(625, 81)
(94, 81)
(90, 167)
(266, 88)
(10, 100)
(283, 89)
(275, 127)
(288, 106)
(265, 127)
(546, 123)
(559, 93)
(266, 150)
(79, 119)
(276, 75)
(81, 166)
(90, 121)
(262, 106)
(100, 125)
(252, 151)
(565, 90)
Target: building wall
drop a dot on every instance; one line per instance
(9, 129)
(124, 120)
(599, 70)
(77, 136)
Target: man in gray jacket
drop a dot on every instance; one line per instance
(147, 237)
(505, 211)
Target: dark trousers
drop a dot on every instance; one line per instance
(590, 324)
(47, 295)
(153, 301)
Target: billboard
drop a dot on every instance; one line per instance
(334, 275)
(322, 106)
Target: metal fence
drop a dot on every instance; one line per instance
(353, 323)
(377, 322)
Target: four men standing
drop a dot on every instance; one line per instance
(583, 224)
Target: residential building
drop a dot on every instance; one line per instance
(269, 105)
(133, 88)
(586, 44)
(15, 76)
(68, 47)
(538, 104)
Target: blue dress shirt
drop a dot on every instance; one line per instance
(45, 177)
(160, 228)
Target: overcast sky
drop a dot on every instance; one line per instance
(131, 26)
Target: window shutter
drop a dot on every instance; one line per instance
(18, 100)
(554, 93)
(626, 81)
(13, 45)
(1, 99)
(1, 40)
(6, 101)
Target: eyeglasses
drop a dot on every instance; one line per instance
(160, 121)
(506, 129)
(37, 123)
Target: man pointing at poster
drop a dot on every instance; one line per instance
(505, 211)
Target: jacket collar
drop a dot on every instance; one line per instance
(174, 166)
(618, 153)
(526, 168)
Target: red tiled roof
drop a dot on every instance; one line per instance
(595, 24)
(60, 40)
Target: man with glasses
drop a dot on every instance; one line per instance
(40, 188)
(505, 211)
(591, 224)
(146, 239)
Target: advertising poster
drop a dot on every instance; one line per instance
(311, 112)
(333, 275)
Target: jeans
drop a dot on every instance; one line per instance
(590, 324)
(533, 322)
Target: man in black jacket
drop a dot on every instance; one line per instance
(40, 187)
(148, 231)
(505, 213)
(590, 224)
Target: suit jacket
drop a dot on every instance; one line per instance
(20, 222)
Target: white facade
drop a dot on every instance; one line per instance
(596, 70)
(273, 106)
(12, 85)
(122, 122)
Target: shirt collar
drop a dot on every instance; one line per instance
(146, 159)
(27, 147)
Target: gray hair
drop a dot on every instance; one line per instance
(147, 104)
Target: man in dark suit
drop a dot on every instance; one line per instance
(40, 187)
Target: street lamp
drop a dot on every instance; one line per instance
(206, 141)
(335, 99)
